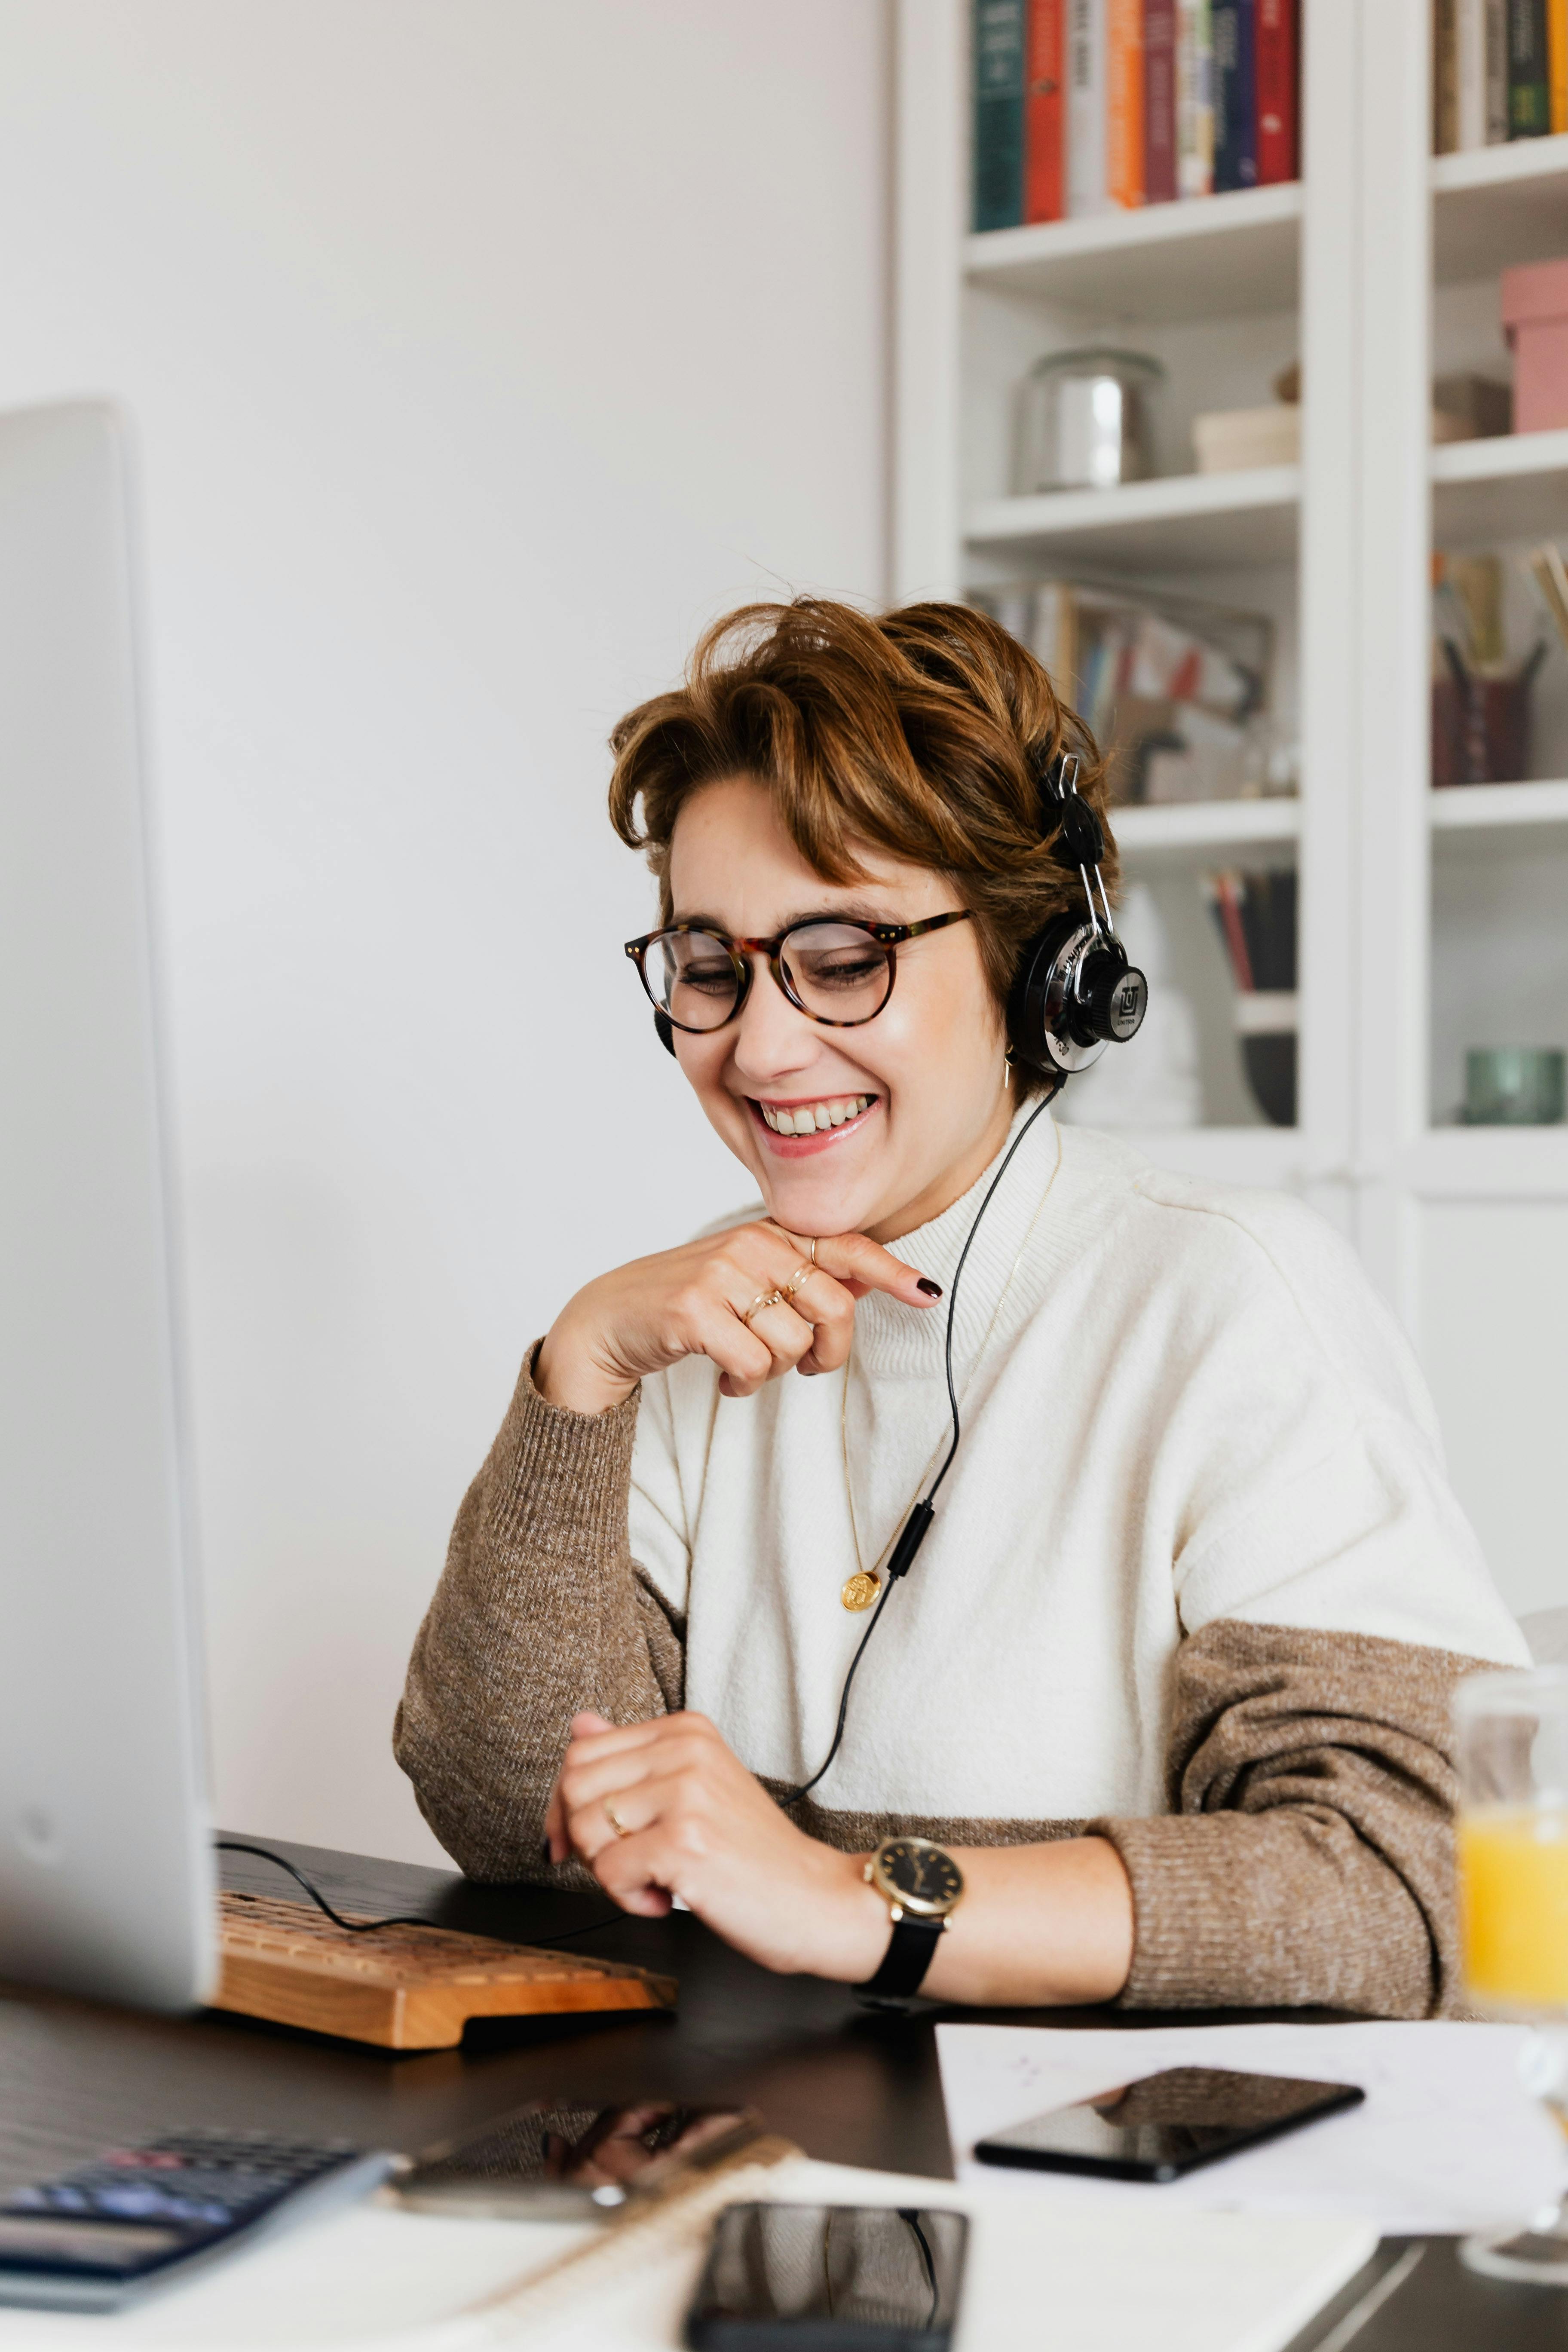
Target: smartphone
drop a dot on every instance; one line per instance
(103, 2236)
(570, 2160)
(1165, 2124)
(829, 2278)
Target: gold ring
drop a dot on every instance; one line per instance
(763, 1298)
(614, 1819)
(814, 1249)
(796, 1281)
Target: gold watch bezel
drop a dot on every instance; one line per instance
(918, 1907)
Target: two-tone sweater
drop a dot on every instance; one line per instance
(1196, 1581)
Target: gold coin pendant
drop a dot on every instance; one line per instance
(860, 1590)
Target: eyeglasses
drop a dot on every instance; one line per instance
(836, 972)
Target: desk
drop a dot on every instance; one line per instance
(853, 2088)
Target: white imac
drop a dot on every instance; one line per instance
(107, 1881)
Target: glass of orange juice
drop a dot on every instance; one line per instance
(1511, 1749)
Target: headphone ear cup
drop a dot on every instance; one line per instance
(665, 1028)
(1028, 1032)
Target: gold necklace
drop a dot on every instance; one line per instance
(859, 1591)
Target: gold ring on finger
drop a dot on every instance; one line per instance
(796, 1282)
(763, 1298)
(813, 1250)
(614, 1820)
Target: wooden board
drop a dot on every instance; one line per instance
(406, 1988)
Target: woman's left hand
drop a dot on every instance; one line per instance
(695, 1822)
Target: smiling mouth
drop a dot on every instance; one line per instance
(817, 1118)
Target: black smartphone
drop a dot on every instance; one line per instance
(829, 2278)
(573, 2160)
(1165, 2124)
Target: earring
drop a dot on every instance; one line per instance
(1007, 1067)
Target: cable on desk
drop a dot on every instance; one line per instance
(370, 1926)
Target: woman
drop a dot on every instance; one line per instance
(1168, 1683)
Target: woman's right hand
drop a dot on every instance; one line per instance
(692, 1301)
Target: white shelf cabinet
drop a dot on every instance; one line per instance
(1430, 921)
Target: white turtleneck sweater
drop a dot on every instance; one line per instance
(1183, 1404)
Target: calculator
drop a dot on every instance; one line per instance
(140, 2217)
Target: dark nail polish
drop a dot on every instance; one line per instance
(932, 1289)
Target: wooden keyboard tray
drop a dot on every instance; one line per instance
(406, 1988)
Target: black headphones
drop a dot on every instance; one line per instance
(1074, 992)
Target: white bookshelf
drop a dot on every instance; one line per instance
(1430, 920)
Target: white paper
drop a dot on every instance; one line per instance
(1449, 2138)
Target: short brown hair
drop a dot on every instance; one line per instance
(917, 732)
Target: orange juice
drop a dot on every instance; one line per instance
(1513, 1906)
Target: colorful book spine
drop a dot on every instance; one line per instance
(1158, 101)
(1235, 95)
(1444, 77)
(1557, 63)
(1045, 113)
(1087, 190)
(1194, 98)
(1497, 71)
(1124, 102)
(1274, 40)
(1528, 93)
(1470, 65)
(998, 113)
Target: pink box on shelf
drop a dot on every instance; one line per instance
(1535, 317)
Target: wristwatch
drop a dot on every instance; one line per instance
(923, 1886)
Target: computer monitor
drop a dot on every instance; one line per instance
(106, 1866)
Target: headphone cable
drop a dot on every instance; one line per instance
(370, 1926)
(915, 1527)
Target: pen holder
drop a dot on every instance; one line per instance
(1480, 733)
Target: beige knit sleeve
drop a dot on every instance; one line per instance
(1308, 1855)
(540, 1611)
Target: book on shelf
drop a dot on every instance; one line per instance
(1234, 96)
(1124, 104)
(1194, 98)
(998, 113)
(1274, 42)
(1158, 101)
(1088, 188)
(1175, 690)
(1045, 109)
(1529, 87)
(1500, 71)
(1085, 107)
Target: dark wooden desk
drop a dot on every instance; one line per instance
(847, 2087)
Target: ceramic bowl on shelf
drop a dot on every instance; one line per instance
(1514, 1086)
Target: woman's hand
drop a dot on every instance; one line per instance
(695, 1822)
(692, 1301)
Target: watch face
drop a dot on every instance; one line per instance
(923, 1875)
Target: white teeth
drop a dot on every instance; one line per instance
(814, 1118)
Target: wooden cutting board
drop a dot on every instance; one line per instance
(405, 1987)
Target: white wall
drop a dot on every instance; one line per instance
(480, 350)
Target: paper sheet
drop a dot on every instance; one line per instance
(1449, 2138)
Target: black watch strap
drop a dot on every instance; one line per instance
(911, 1949)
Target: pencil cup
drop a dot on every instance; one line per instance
(1482, 735)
